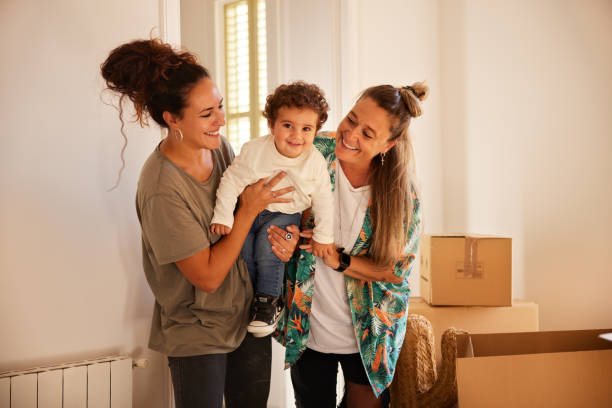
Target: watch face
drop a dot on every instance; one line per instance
(345, 262)
(345, 259)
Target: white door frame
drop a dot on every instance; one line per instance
(170, 22)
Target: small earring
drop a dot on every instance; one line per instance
(177, 133)
(382, 159)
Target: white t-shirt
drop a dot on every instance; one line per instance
(331, 324)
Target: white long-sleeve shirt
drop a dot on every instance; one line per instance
(307, 173)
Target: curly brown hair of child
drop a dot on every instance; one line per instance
(297, 94)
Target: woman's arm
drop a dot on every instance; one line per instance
(207, 269)
(361, 267)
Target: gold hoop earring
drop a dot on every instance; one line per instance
(177, 133)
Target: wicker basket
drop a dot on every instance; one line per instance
(416, 383)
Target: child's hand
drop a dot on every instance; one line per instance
(220, 229)
(323, 250)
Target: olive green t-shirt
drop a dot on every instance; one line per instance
(175, 210)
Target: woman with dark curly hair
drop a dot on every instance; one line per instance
(350, 307)
(202, 290)
(295, 112)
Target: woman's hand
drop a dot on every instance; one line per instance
(388, 275)
(256, 197)
(281, 246)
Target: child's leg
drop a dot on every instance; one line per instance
(270, 269)
(270, 273)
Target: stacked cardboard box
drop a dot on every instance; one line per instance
(466, 282)
(466, 270)
(521, 316)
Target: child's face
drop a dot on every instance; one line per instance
(294, 130)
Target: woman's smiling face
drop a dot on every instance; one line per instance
(203, 117)
(363, 133)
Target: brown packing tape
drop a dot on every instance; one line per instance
(471, 269)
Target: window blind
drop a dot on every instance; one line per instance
(246, 70)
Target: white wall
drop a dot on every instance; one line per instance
(527, 144)
(198, 32)
(307, 42)
(71, 281)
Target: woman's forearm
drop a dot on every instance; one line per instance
(208, 268)
(363, 268)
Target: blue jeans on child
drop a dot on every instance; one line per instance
(265, 269)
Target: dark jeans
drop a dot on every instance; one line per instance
(265, 269)
(314, 378)
(243, 376)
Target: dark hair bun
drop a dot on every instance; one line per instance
(154, 77)
(151, 74)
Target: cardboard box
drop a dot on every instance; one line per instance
(466, 270)
(540, 369)
(522, 316)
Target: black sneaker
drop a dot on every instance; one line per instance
(265, 313)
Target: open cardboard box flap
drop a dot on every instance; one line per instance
(504, 344)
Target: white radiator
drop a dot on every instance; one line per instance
(101, 383)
